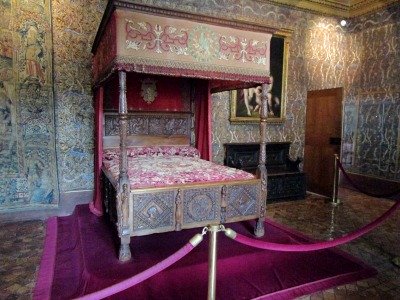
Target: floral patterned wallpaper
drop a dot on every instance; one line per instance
(371, 133)
(47, 113)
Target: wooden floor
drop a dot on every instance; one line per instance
(21, 244)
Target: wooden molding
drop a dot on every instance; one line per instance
(337, 8)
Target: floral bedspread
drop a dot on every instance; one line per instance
(166, 166)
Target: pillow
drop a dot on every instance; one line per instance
(163, 151)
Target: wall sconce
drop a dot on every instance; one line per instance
(343, 23)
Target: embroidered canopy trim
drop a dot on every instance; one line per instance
(145, 42)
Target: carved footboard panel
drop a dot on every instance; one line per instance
(187, 206)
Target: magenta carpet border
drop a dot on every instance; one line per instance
(46, 270)
(43, 288)
(310, 239)
(323, 284)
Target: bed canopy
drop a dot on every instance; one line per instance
(142, 39)
(135, 41)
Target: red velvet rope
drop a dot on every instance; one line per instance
(123, 285)
(388, 195)
(319, 245)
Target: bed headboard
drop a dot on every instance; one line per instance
(149, 129)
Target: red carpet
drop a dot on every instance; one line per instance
(80, 257)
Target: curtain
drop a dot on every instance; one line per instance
(96, 205)
(202, 100)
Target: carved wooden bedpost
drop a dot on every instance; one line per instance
(192, 116)
(123, 190)
(262, 170)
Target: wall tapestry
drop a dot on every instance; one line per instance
(27, 146)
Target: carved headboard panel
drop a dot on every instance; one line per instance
(147, 129)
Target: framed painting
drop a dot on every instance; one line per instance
(245, 103)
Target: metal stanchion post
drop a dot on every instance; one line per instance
(212, 262)
(335, 200)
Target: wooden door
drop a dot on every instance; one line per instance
(322, 139)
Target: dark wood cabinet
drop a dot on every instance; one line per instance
(285, 180)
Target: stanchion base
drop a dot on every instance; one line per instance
(396, 261)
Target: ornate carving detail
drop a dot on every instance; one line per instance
(123, 209)
(176, 126)
(111, 125)
(123, 107)
(178, 211)
(201, 205)
(156, 126)
(242, 200)
(137, 125)
(123, 127)
(153, 210)
(224, 204)
(149, 124)
(262, 174)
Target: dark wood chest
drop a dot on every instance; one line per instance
(285, 180)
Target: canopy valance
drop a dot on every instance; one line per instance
(150, 40)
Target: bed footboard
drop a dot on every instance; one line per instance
(157, 210)
(168, 209)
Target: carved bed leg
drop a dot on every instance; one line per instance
(259, 230)
(178, 211)
(262, 170)
(123, 223)
(224, 204)
(124, 250)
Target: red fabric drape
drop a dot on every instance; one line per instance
(167, 99)
(202, 99)
(96, 206)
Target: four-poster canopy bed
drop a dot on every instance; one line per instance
(154, 70)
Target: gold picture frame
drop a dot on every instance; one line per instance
(244, 102)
